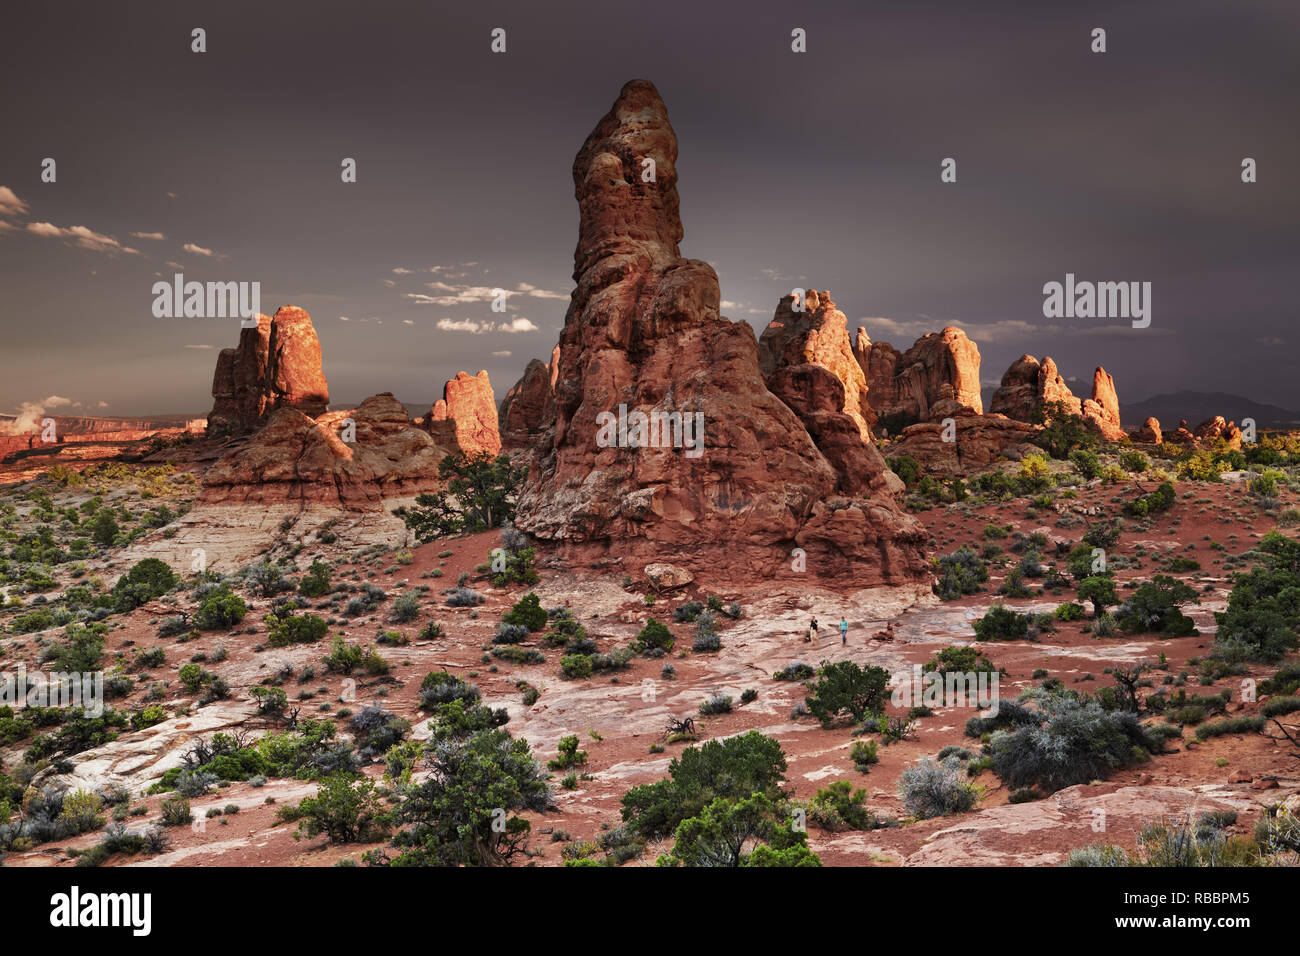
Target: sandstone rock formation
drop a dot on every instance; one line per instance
(277, 364)
(978, 440)
(643, 331)
(529, 404)
(293, 458)
(938, 377)
(815, 334)
(1217, 427)
(1149, 432)
(1101, 412)
(469, 402)
(1028, 386)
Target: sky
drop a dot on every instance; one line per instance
(816, 170)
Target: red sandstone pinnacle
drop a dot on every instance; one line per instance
(276, 365)
(529, 404)
(816, 334)
(939, 367)
(468, 401)
(644, 331)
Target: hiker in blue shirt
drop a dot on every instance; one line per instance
(844, 631)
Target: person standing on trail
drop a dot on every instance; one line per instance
(844, 631)
(813, 625)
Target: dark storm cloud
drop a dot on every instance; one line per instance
(819, 170)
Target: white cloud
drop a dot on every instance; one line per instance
(344, 318)
(399, 271)
(519, 324)
(504, 353)
(197, 250)
(147, 235)
(176, 265)
(10, 204)
(80, 236)
(408, 321)
(464, 325)
(204, 347)
(531, 290)
(7, 226)
(101, 404)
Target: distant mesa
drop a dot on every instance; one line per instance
(644, 330)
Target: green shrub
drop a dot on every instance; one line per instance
(960, 573)
(1001, 623)
(285, 628)
(220, 610)
(840, 807)
(1230, 725)
(1070, 741)
(933, 789)
(846, 689)
(655, 635)
(528, 612)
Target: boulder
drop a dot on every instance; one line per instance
(1149, 432)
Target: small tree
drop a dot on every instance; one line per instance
(346, 809)
(479, 496)
(846, 688)
(1100, 590)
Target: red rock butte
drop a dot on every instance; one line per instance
(644, 330)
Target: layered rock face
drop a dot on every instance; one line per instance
(978, 441)
(643, 331)
(294, 458)
(938, 377)
(815, 333)
(529, 404)
(468, 401)
(277, 364)
(1029, 386)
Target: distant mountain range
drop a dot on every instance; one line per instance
(1196, 407)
